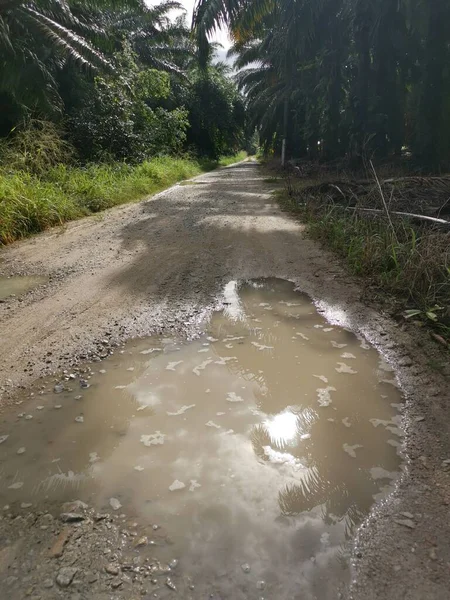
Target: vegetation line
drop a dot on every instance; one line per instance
(405, 263)
(31, 202)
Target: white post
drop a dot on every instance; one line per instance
(285, 131)
(283, 153)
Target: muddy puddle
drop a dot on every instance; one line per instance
(18, 285)
(248, 457)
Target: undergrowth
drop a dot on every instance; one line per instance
(408, 262)
(32, 199)
(225, 161)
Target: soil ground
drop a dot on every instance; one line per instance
(161, 266)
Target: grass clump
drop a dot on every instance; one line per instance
(409, 262)
(225, 161)
(32, 200)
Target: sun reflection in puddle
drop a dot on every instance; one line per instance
(265, 449)
(282, 428)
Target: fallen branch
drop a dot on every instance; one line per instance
(432, 220)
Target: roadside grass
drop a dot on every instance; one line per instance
(273, 180)
(410, 263)
(30, 202)
(225, 161)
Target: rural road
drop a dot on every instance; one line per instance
(161, 266)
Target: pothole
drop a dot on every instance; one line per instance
(18, 285)
(258, 448)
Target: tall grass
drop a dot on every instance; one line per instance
(225, 161)
(411, 263)
(31, 202)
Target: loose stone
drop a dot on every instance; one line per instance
(65, 576)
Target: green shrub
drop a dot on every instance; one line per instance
(35, 146)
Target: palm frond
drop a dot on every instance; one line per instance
(74, 45)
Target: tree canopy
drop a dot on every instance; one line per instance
(334, 78)
(119, 78)
(342, 77)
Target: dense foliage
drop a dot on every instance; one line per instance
(355, 78)
(118, 78)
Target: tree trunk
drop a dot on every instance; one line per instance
(362, 27)
(285, 131)
(331, 136)
(431, 109)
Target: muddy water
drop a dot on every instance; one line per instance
(257, 449)
(18, 285)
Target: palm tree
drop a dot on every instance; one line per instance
(38, 39)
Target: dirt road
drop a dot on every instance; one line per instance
(161, 265)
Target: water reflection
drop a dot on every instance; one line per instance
(282, 428)
(19, 284)
(252, 445)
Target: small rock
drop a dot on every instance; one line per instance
(70, 507)
(419, 419)
(261, 585)
(112, 569)
(117, 583)
(79, 419)
(246, 568)
(79, 397)
(59, 387)
(65, 576)
(3, 438)
(48, 583)
(170, 584)
(71, 517)
(406, 523)
(173, 563)
(84, 383)
(26, 505)
(408, 515)
(58, 547)
(101, 517)
(28, 417)
(47, 518)
(142, 541)
(21, 450)
(432, 554)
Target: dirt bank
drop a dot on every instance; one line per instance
(161, 265)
